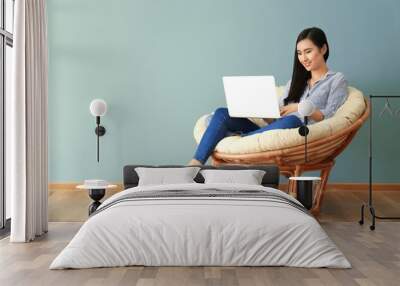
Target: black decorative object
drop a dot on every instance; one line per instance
(369, 205)
(96, 195)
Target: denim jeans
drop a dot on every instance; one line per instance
(222, 125)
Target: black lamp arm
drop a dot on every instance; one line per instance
(100, 131)
(305, 138)
(303, 131)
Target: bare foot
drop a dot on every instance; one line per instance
(194, 162)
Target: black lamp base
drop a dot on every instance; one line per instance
(303, 130)
(100, 130)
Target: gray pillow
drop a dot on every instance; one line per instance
(163, 176)
(248, 177)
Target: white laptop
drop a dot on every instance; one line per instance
(251, 96)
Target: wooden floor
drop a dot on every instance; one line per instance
(375, 256)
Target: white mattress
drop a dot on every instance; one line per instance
(183, 231)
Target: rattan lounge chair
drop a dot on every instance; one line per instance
(321, 152)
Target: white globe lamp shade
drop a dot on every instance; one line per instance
(306, 108)
(98, 107)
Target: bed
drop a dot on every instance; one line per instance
(201, 224)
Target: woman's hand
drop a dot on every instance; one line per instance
(285, 110)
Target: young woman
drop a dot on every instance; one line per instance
(311, 80)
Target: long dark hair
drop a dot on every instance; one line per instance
(300, 74)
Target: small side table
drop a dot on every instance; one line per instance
(304, 190)
(96, 193)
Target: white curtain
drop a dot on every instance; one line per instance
(27, 117)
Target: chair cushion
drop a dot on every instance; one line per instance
(348, 113)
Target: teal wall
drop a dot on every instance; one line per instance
(158, 64)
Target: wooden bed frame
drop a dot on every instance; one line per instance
(321, 156)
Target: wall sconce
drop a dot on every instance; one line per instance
(98, 108)
(305, 109)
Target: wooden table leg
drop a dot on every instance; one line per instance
(297, 173)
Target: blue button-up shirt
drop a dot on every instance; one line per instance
(327, 94)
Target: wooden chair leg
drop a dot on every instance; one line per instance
(319, 196)
(297, 173)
